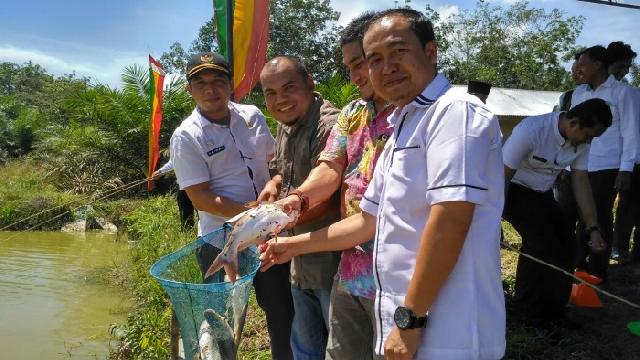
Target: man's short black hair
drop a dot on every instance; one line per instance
(619, 51)
(418, 23)
(578, 53)
(592, 113)
(598, 53)
(298, 65)
(354, 31)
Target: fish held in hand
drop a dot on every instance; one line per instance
(250, 227)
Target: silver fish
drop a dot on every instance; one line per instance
(216, 338)
(250, 227)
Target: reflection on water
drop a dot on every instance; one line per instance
(54, 303)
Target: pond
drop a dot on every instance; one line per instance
(55, 302)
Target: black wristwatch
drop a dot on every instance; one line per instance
(406, 319)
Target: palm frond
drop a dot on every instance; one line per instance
(135, 80)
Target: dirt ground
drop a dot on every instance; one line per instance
(603, 335)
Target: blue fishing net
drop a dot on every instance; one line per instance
(180, 276)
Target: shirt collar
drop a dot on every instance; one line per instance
(431, 92)
(438, 86)
(610, 82)
(204, 122)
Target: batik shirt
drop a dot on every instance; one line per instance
(355, 142)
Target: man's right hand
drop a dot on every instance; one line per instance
(269, 193)
(276, 252)
(289, 204)
(156, 174)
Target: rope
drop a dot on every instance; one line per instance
(108, 194)
(596, 288)
(116, 190)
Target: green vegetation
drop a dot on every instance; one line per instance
(155, 228)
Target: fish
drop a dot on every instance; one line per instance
(216, 338)
(250, 227)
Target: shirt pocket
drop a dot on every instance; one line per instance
(408, 167)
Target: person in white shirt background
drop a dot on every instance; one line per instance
(628, 210)
(537, 150)
(434, 206)
(612, 155)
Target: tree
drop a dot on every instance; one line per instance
(514, 47)
(303, 28)
(174, 61)
(634, 71)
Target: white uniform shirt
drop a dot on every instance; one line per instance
(538, 152)
(231, 159)
(447, 150)
(616, 148)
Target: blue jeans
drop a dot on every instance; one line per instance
(309, 332)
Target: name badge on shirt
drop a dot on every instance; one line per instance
(215, 150)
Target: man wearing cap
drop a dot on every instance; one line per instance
(220, 155)
(535, 153)
(347, 163)
(304, 123)
(479, 89)
(434, 206)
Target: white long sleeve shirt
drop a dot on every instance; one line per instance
(617, 147)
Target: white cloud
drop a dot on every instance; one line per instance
(350, 9)
(448, 11)
(107, 71)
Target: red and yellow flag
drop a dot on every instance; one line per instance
(156, 80)
(250, 37)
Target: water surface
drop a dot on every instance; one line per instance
(54, 300)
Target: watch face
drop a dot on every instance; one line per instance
(402, 317)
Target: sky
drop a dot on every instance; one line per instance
(98, 39)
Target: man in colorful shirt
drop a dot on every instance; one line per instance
(347, 163)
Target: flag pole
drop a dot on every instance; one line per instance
(230, 11)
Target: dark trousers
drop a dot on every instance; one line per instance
(602, 186)
(540, 291)
(628, 216)
(186, 209)
(273, 293)
(566, 199)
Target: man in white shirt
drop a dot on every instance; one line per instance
(220, 155)
(628, 211)
(434, 206)
(612, 155)
(535, 153)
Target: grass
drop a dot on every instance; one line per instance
(28, 201)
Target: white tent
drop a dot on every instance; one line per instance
(518, 103)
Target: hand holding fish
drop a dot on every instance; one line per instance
(250, 227)
(270, 192)
(277, 251)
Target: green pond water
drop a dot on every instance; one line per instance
(54, 300)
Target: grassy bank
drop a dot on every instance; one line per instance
(155, 228)
(29, 200)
